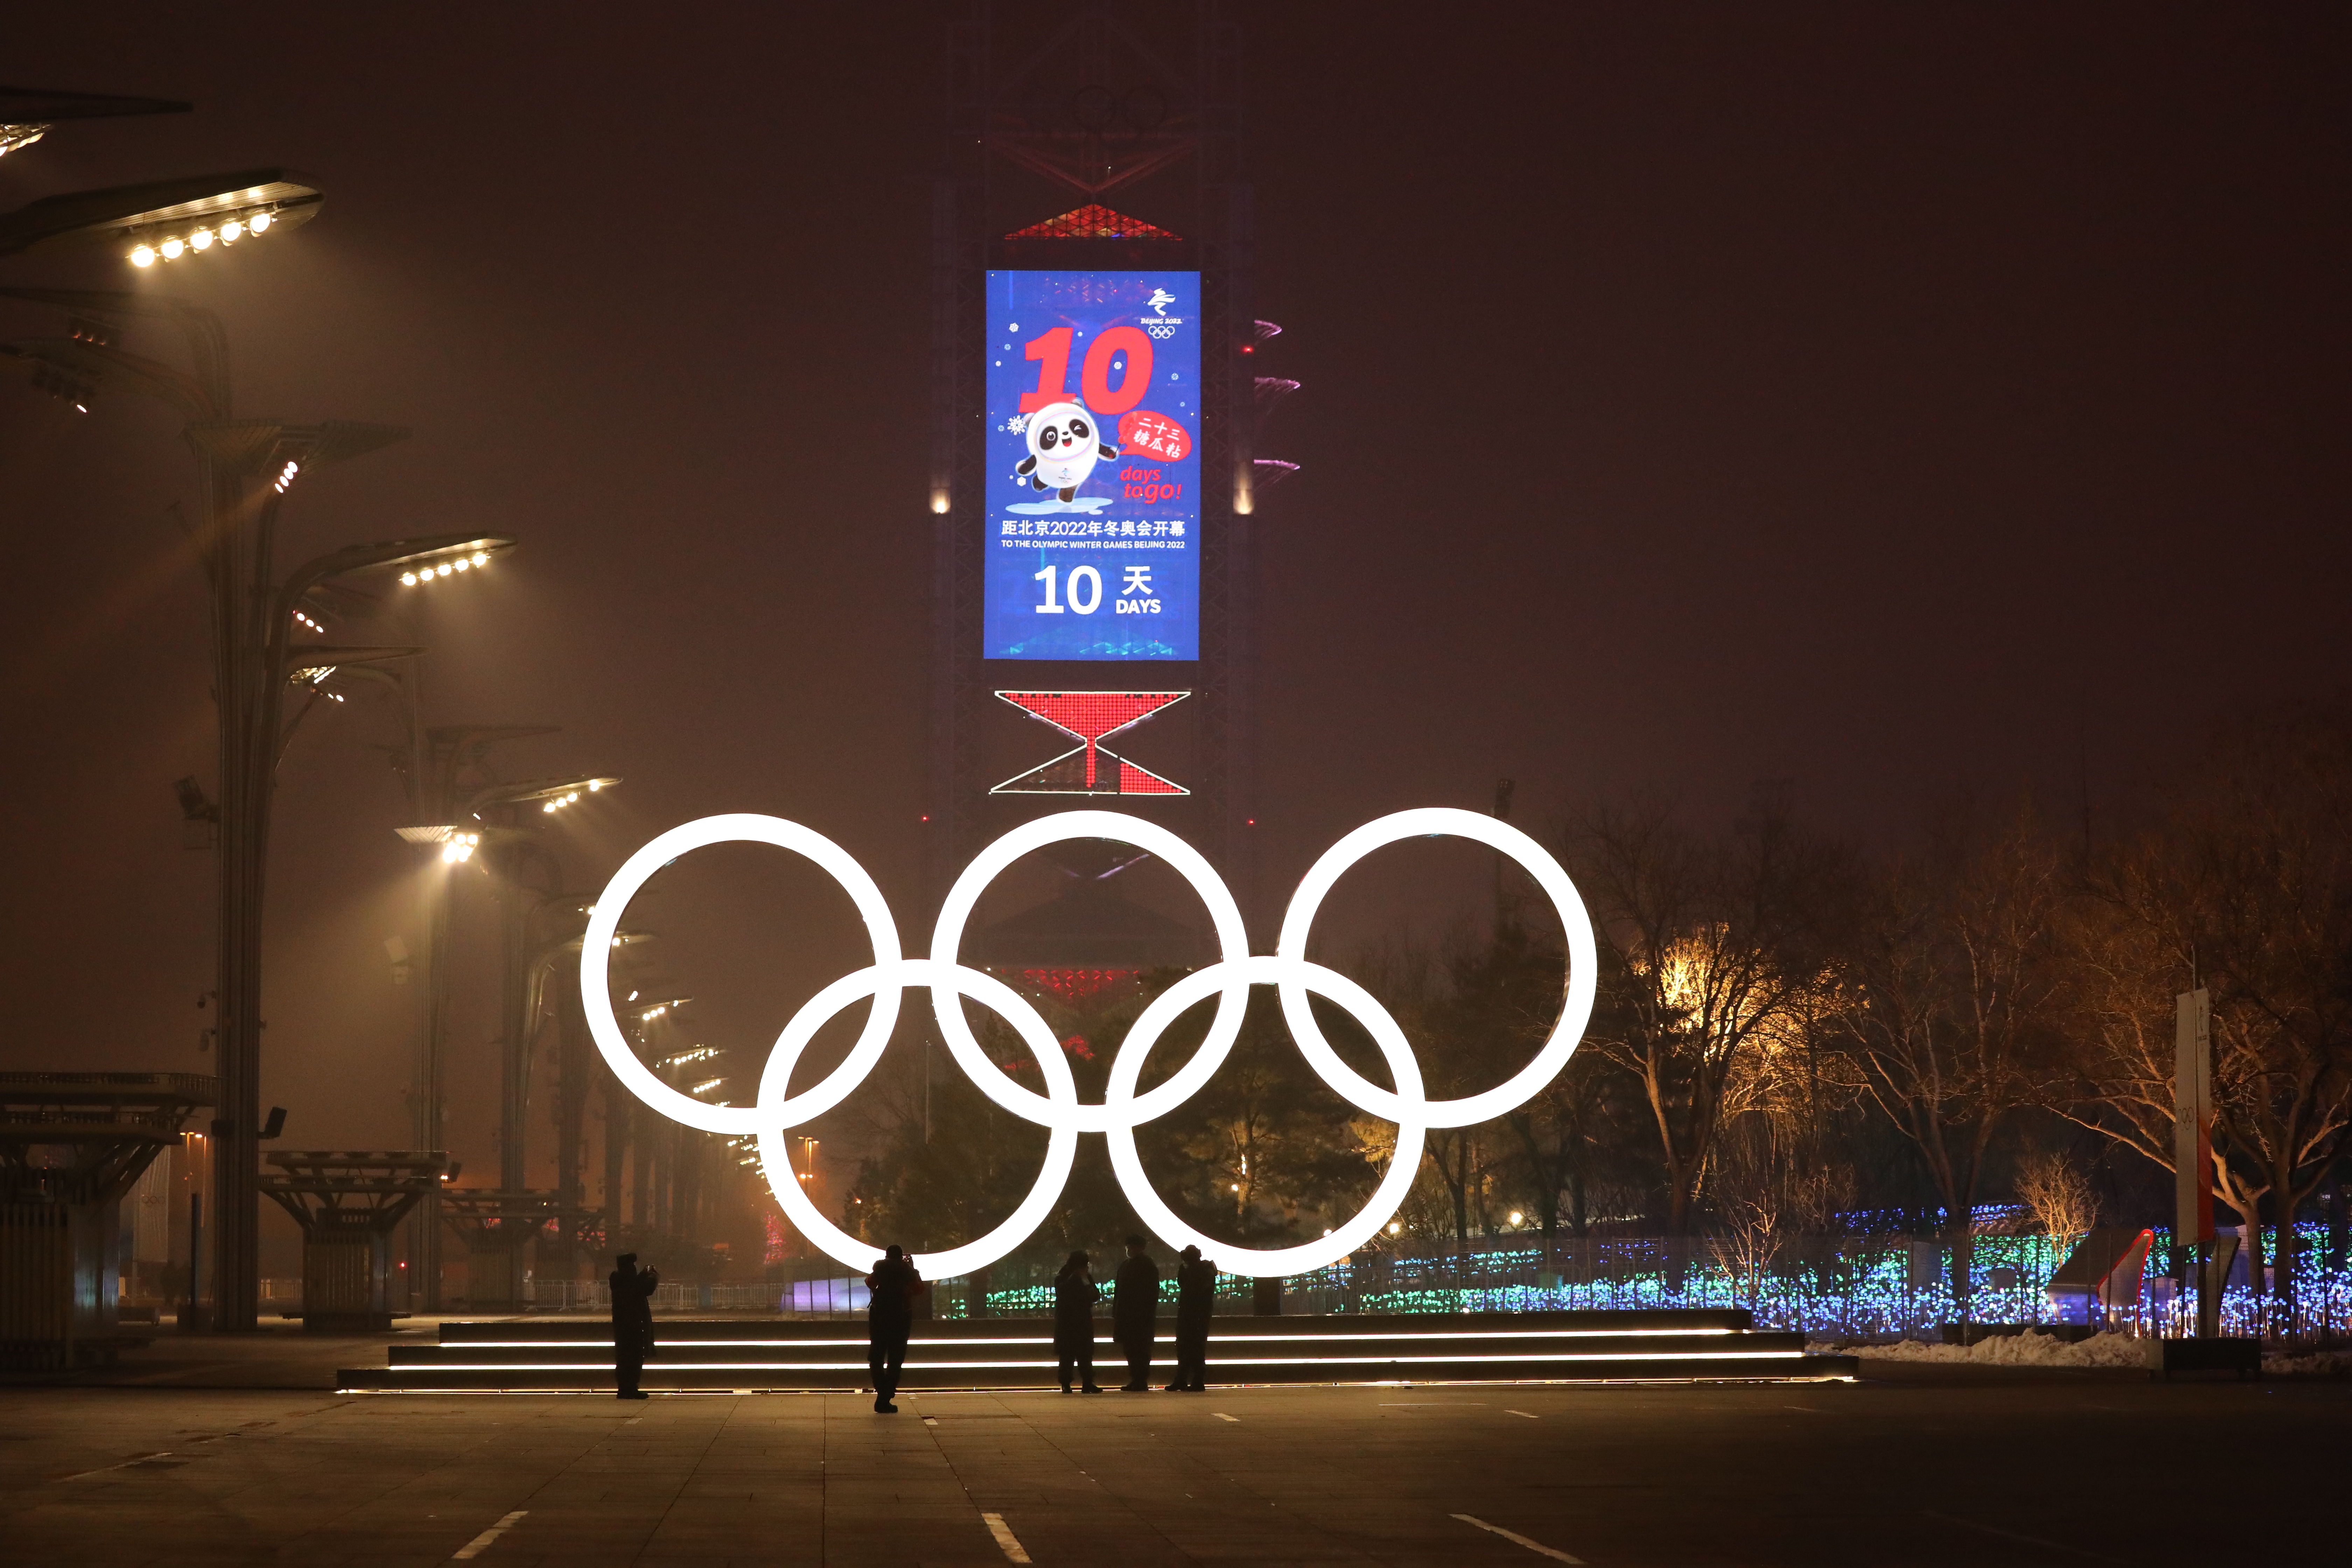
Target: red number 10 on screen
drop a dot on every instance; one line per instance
(1052, 352)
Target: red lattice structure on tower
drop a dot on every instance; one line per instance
(1089, 768)
(1093, 221)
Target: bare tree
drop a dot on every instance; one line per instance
(1952, 973)
(1708, 949)
(1751, 1201)
(2247, 887)
(2054, 1190)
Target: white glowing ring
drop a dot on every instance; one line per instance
(1058, 1109)
(1119, 1092)
(1584, 962)
(1224, 915)
(775, 1152)
(604, 929)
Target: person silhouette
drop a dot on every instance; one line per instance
(1196, 1294)
(1135, 1312)
(632, 1323)
(890, 1292)
(1074, 1295)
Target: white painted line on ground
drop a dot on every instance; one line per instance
(475, 1547)
(1234, 1419)
(1004, 1537)
(1509, 1411)
(140, 1459)
(2014, 1535)
(1515, 1538)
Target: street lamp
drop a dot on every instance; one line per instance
(246, 467)
(514, 851)
(28, 113)
(454, 816)
(165, 219)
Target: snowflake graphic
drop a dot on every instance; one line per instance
(1018, 424)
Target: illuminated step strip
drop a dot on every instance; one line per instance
(666, 1363)
(553, 1343)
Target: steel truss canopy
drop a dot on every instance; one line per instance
(160, 210)
(103, 1128)
(372, 1179)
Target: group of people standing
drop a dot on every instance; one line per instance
(1134, 1318)
(896, 1285)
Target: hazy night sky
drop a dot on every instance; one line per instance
(1880, 398)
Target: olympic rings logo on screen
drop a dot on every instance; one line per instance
(1122, 1109)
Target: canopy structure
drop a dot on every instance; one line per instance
(346, 1202)
(71, 1146)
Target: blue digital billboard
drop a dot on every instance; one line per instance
(1093, 507)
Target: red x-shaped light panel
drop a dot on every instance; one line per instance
(1090, 716)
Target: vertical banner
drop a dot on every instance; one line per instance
(2192, 1118)
(1093, 510)
(2193, 1155)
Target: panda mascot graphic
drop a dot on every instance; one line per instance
(1063, 448)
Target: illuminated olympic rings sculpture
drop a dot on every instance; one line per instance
(1058, 1109)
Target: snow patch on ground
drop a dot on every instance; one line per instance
(2099, 1351)
(2013, 1350)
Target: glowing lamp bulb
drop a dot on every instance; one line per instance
(145, 256)
(408, 578)
(461, 564)
(261, 222)
(232, 231)
(202, 240)
(173, 247)
(442, 570)
(481, 558)
(595, 784)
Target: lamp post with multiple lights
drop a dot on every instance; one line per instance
(246, 467)
(457, 818)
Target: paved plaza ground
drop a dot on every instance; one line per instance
(237, 1452)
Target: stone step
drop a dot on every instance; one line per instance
(576, 1354)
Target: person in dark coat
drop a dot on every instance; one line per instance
(1196, 1292)
(1134, 1313)
(632, 1323)
(1074, 1295)
(890, 1292)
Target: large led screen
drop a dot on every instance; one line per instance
(1094, 466)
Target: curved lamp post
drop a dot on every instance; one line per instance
(247, 467)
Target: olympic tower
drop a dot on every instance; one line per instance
(1094, 478)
